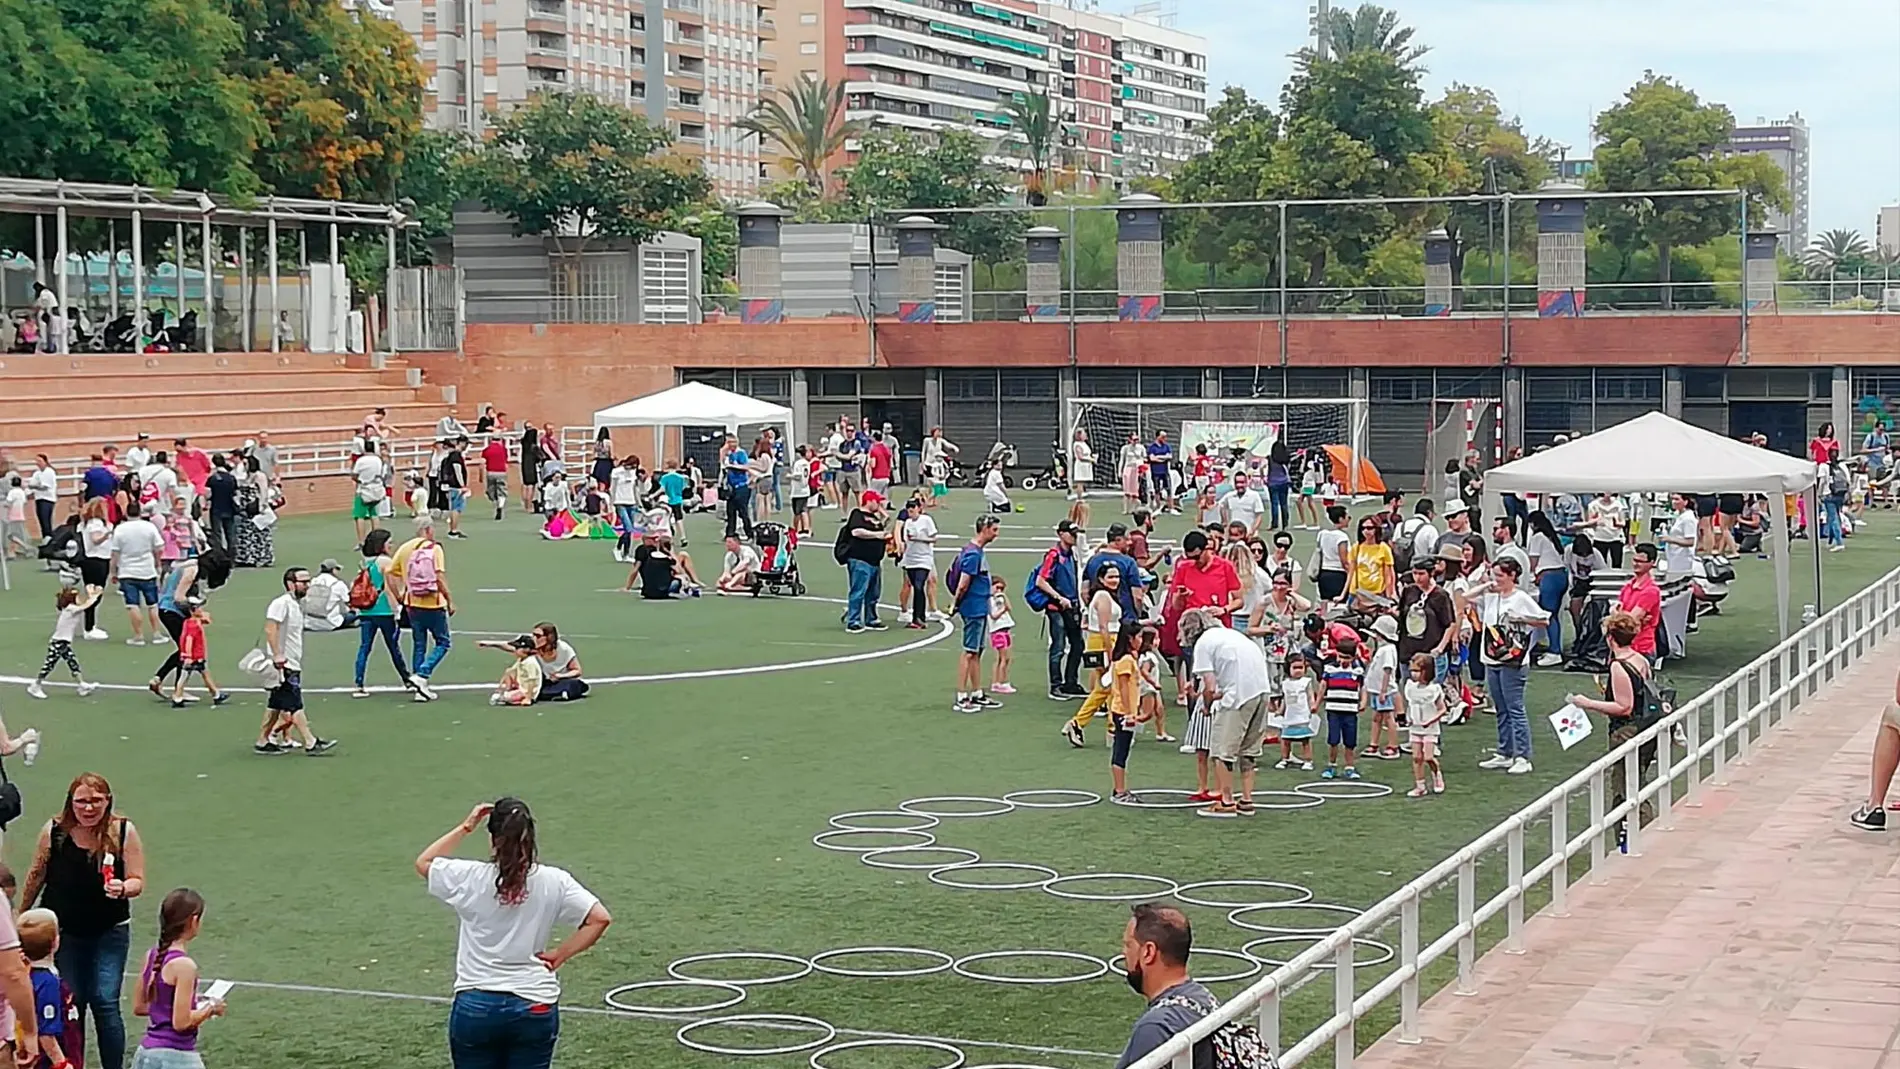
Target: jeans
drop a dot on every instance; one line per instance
(1515, 508)
(1551, 587)
(494, 1030)
(919, 580)
(223, 531)
(1506, 687)
(44, 510)
(369, 627)
(94, 967)
(1277, 513)
(426, 624)
(629, 515)
(867, 583)
(739, 511)
(1831, 519)
(1065, 648)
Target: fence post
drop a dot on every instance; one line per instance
(1344, 989)
(1597, 829)
(1720, 703)
(1559, 849)
(1692, 795)
(1267, 1022)
(1632, 791)
(1468, 940)
(1408, 960)
(1665, 789)
(1514, 909)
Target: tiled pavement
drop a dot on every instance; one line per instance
(1762, 932)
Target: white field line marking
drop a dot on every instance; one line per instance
(944, 630)
(495, 590)
(671, 1018)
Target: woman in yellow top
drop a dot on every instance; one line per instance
(1371, 584)
(1124, 704)
(1100, 618)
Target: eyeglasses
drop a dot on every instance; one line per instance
(91, 803)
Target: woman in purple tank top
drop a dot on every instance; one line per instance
(168, 988)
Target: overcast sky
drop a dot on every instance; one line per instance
(1556, 63)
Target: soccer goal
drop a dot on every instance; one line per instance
(1253, 424)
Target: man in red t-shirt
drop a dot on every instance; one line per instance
(881, 462)
(1205, 579)
(1642, 598)
(495, 469)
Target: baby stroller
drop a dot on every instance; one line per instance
(1054, 475)
(778, 568)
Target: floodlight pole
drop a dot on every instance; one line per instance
(204, 257)
(59, 278)
(1505, 356)
(138, 279)
(270, 253)
(1283, 309)
(1743, 198)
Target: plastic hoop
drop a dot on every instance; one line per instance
(1356, 963)
(1138, 803)
(944, 962)
(822, 840)
(1050, 887)
(675, 970)
(816, 1060)
(1181, 893)
(1201, 952)
(842, 821)
(1098, 967)
(1009, 1065)
(1083, 799)
(1234, 918)
(998, 806)
(1300, 801)
(738, 996)
(1343, 790)
(869, 858)
(778, 1019)
(936, 876)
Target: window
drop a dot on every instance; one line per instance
(837, 384)
(491, 85)
(637, 23)
(808, 19)
(808, 48)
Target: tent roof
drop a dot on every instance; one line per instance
(1653, 452)
(692, 403)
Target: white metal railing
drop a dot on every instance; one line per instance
(307, 459)
(1735, 713)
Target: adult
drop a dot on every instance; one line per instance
(1458, 529)
(99, 479)
(507, 989)
(139, 453)
(1551, 577)
(1642, 599)
(935, 455)
(1471, 487)
(1877, 447)
(448, 484)
(371, 490)
(1333, 556)
(95, 558)
(623, 492)
(1101, 621)
(1141, 528)
(1630, 704)
(1155, 948)
(850, 455)
(765, 475)
(1160, 465)
(970, 592)
(43, 485)
(1132, 461)
(378, 619)
(1243, 505)
(1059, 582)
(1277, 617)
(1824, 444)
(1872, 815)
(1279, 558)
(136, 543)
(266, 455)
(221, 496)
(495, 473)
(1231, 674)
(1416, 538)
(1204, 580)
(376, 426)
(16, 983)
(740, 569)
(194, 464)
(531, 458)
(1506, 611)
(660, 571)
(486, 420)
(283, 704)
(71, 876)
(1113, 553)
(1371, 583)
(1428, 619)
(1081, 465)
(880, 462)
(326, 606)
(1835, 483)
(182, 588)
(420, 572)
(1606, 525)
(737, 475)
(254, 545)
(560, 666)
(864, 539)
(918, 560)
(603, 457)
(1279, 484)
(1679, 538)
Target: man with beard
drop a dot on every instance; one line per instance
(1155, 947)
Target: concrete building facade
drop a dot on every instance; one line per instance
(1784, 141)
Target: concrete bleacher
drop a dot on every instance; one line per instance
(311, 403)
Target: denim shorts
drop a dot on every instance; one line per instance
(975, 630)
(139, 591)
(166, 1058)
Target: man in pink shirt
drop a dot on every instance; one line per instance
(1204, 579)
(881, 462)
(193, 463)
(1642, 598)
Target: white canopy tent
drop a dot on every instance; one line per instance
(1656, 453)
(694, 404)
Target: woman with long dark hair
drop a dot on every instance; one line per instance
(505, 1014)
(90, 863)
(1279, 484)
(168, 986)
(379, 619)
(1551, 579)
(184, 585)
(603, 458)
(254, 546)
(95, 557)
(531, 457)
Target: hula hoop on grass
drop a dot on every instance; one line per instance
(738, 996)
(1097, 967)
(936, 876)
(817, 1056)
(823, 840)
(843, 821)
(1389, 953)
(1323, 907)
(1181, 893)
(1077, 799)
(677, 969)
(997, 806)
(766, 1019)
(1171, 886)
(943, 962)
(970, 857)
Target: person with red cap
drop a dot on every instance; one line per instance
(862, 543)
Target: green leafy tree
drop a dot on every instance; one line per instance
(1837, 252)
(1033, 127)
(1238, 166)
(430, 181)
(807, 124)
(1368, 28)
(898, 170)
(1488, 153)
(1661, 136)
(718, 232)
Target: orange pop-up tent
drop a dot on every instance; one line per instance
(1355, 474)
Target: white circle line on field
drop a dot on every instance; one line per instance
(945, 628)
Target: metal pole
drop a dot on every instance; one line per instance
(178, 257)
(1506, 214)
(389, 296)
(204, 257)
(245, 312)
(112, 270)
(138, 280)
(65, 336)
(1743, 198)
(338, 333)
(1282, 261)
(270, 258)
(1074, 245)
(39, 249)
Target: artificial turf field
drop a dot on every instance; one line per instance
(689, 804)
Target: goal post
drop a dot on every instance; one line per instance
(1338, 425)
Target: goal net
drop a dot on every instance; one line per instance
(1334, 425)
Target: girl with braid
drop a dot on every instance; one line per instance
(168, 986)
(505, 1012)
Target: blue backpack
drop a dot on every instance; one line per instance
(1033, 595)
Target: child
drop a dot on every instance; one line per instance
(1328, 494)
(169, 981)
(1148, 685)
(995, 490)
(13, 522)
(1424, 716)
(1299, 696)
(72, 605)
(1000, 624)
(1383, 683)
(1124, 706)
(8, 1023)
(1345, 697)
(801, 490)
(191, 657)
(52, 1001)
(1309, 515)
(521, 683)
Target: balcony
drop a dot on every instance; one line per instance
(546, 60)
(547, 16)
(693, 132)
(546, 76)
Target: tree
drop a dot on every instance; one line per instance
(808, 126)
(1368, 28)
(1837, 252)
(341, 97)
(576, 168)
(1033, 122)
(1662, 137)
(898, 170)
(1237, 166)
(1489, 153)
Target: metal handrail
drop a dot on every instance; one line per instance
(1778, 681)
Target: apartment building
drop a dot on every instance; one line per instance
(1155, 85)
(692, 66)
(1784, 141)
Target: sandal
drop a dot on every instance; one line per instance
(1390, 753)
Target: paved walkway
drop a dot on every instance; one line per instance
(1762, 932)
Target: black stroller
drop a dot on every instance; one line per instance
(778, 567)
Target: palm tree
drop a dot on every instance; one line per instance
(808, 126)
(1835, 250)
(1369, 28)
(1033, 120)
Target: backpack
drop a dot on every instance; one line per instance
(421, 574)
(1405, 543)
(1033, 595)
(62, 544)
(841, 550)
(1234, 1045)
(365, 591)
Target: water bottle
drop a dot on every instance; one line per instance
(31, 751)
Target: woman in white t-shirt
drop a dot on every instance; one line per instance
(1331, 554)
(95, 558)
(800, 491)
(507, 985)
(918, 562)
(1550, 579)
(1606, 522)
(1081, 465)
(1505, 606)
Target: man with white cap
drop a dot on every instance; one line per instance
(1230, 673)
(1457, 526)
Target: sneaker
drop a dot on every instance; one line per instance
(876, 625)
(1329, 773)
(1549, 660)
(1164, 738)
(1438, 784)
(190, 698)
(1417, 792)
(178, 703)
(321, 746)
(266, 748)
(97, 634)
(1519, 767)
(964, 705)
(853, 629)
(1218, 811)
(1352, 773)
(1185, 748)
(135, 641)
(1123, 798)
(34, 690)
(1283, 763)
(1495, 761)
(913, 626)
(87, 688)
(1058, 696)
(422, 687)
(161, 640)
(495, 698)
(1869, 818)
(1203, 796)
(1002, 688)
(1306, 766)
(1073, 734)
(419, 698)
(1244, 806)
(223, 696)
(1075, 690)
(360, 692)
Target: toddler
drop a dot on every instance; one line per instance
(996, 489)
(13, 522)
(521, 683)
(71, 605)
(1345, 697)
(1382, 689)
(1424, 716)
(1148, 684)
(1124, 705)
(1299, 696)
(61, 1043)
(192, 658)
(415, 493)
(1001, 624)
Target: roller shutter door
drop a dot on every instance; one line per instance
(819, 413)
(1396, 435)
(1031, 415)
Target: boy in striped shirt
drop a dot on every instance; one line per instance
(1345, 696)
